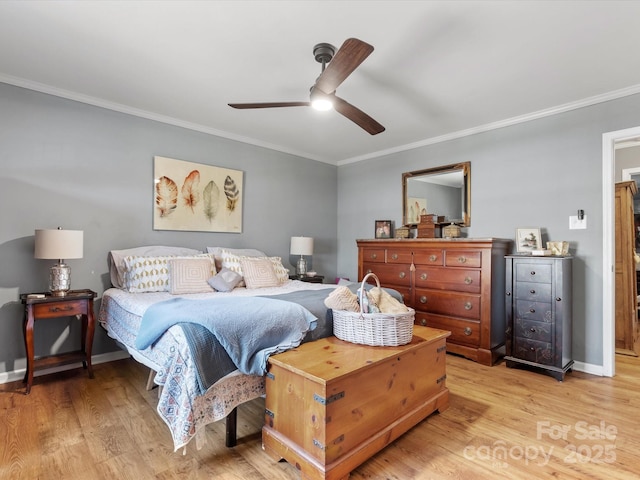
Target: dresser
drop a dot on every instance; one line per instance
(539, 313)
(452, 284)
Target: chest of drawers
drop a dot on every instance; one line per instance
(538, 306)
(453, 284)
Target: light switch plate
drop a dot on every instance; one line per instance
(575, 224)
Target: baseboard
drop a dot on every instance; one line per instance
(589, 368)
(15, 375)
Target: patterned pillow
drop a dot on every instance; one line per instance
(258, 272)
(190, 275)
(240, 252)
(233, 262)
(149, 274)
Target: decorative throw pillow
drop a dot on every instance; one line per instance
(190, 275)
(218, 253)
(281, 272)
(225, 280)
(258, 272)
(149, 273)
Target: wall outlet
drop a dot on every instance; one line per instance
(575, 224)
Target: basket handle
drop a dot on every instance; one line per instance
(364, 281)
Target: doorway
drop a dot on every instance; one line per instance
(610, 141)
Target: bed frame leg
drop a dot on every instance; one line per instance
(150, 384)
(231, 423)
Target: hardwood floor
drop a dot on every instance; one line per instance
(502, 423)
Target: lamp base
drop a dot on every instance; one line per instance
(59, 280)
(301, 266)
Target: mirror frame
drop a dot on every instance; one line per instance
(465, 167)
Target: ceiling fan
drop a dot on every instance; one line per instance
(336, 67)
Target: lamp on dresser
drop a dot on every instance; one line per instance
(301, 246)
(58, 245)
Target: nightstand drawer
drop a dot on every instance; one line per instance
(536, 311)
(536, 273)
(51, 310)
(525, 329)
(536, 292)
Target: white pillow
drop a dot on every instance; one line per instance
(258, 272)
(190, 275)
(115, 258)
(241, 252)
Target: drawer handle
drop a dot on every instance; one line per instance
(468, 280)
(402, 274)
(423, 276)
(394, 256)
(558, 299)
(432, 258)
(508, 294)
(532, 292)
(374, 256)
(462, 259)
(423, 322)
(532, 349)
(532, 330)
(532, 310)
(467, 331)
(423, 299)
(58, 309)
(468, 306)
(532, 273)
(369, 271)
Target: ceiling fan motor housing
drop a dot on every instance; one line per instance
(323, 53)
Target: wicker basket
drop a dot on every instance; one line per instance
(375, 329)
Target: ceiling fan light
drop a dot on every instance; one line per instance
(322, 104)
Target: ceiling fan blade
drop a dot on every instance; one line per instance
(357, 116)
(350, 55)
(269, 105)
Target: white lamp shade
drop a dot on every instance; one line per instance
(301, 246)
(59, 244)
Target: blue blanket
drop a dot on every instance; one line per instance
(249, 329)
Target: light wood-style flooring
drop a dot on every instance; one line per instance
(501, 423)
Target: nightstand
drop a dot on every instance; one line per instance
(305, 278)
(78, 303)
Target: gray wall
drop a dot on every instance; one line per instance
(63, 163)
(533, 174)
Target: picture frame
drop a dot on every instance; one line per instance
(384, 229)
(196, 197)
(528, 239)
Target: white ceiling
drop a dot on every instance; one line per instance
(440, 69)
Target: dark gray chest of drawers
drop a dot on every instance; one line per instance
(539, 317)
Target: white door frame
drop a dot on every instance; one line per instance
(609, 141)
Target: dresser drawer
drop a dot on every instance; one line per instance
(373, 255)
(536, 292)
(464, 332)
(46, 310)
(389, 274)
(463, 258)
(536, 311)
(428, 257)
(535, 273)
(526, 329)
(399, 256)
(533, 351)
(457, 279)
(448, 303)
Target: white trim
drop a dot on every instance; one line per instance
(15, 375)
(609, 141)
(628, 172)
(98, 102)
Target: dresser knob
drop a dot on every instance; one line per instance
(394, 256)
(369, 271)
(532, 292)
(532, 330)
(423, 276)
(468, 306)
(508, 294)
(532, 349)
(433, 258)
(468, 280)
(532, 310)
(402, 274)
(467, 331)
(423, 299)
(423, 322)
(462, 259)
(532, 273)
(558, 299)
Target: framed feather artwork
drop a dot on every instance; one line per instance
(196, 197)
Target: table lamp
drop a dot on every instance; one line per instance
(59, 244)
(301, 246)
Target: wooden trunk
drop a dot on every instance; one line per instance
(331, 404)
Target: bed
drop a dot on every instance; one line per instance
(186, 402)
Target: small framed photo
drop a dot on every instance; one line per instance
(528, 239)
(384, 229)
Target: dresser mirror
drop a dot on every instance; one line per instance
(442, 191)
